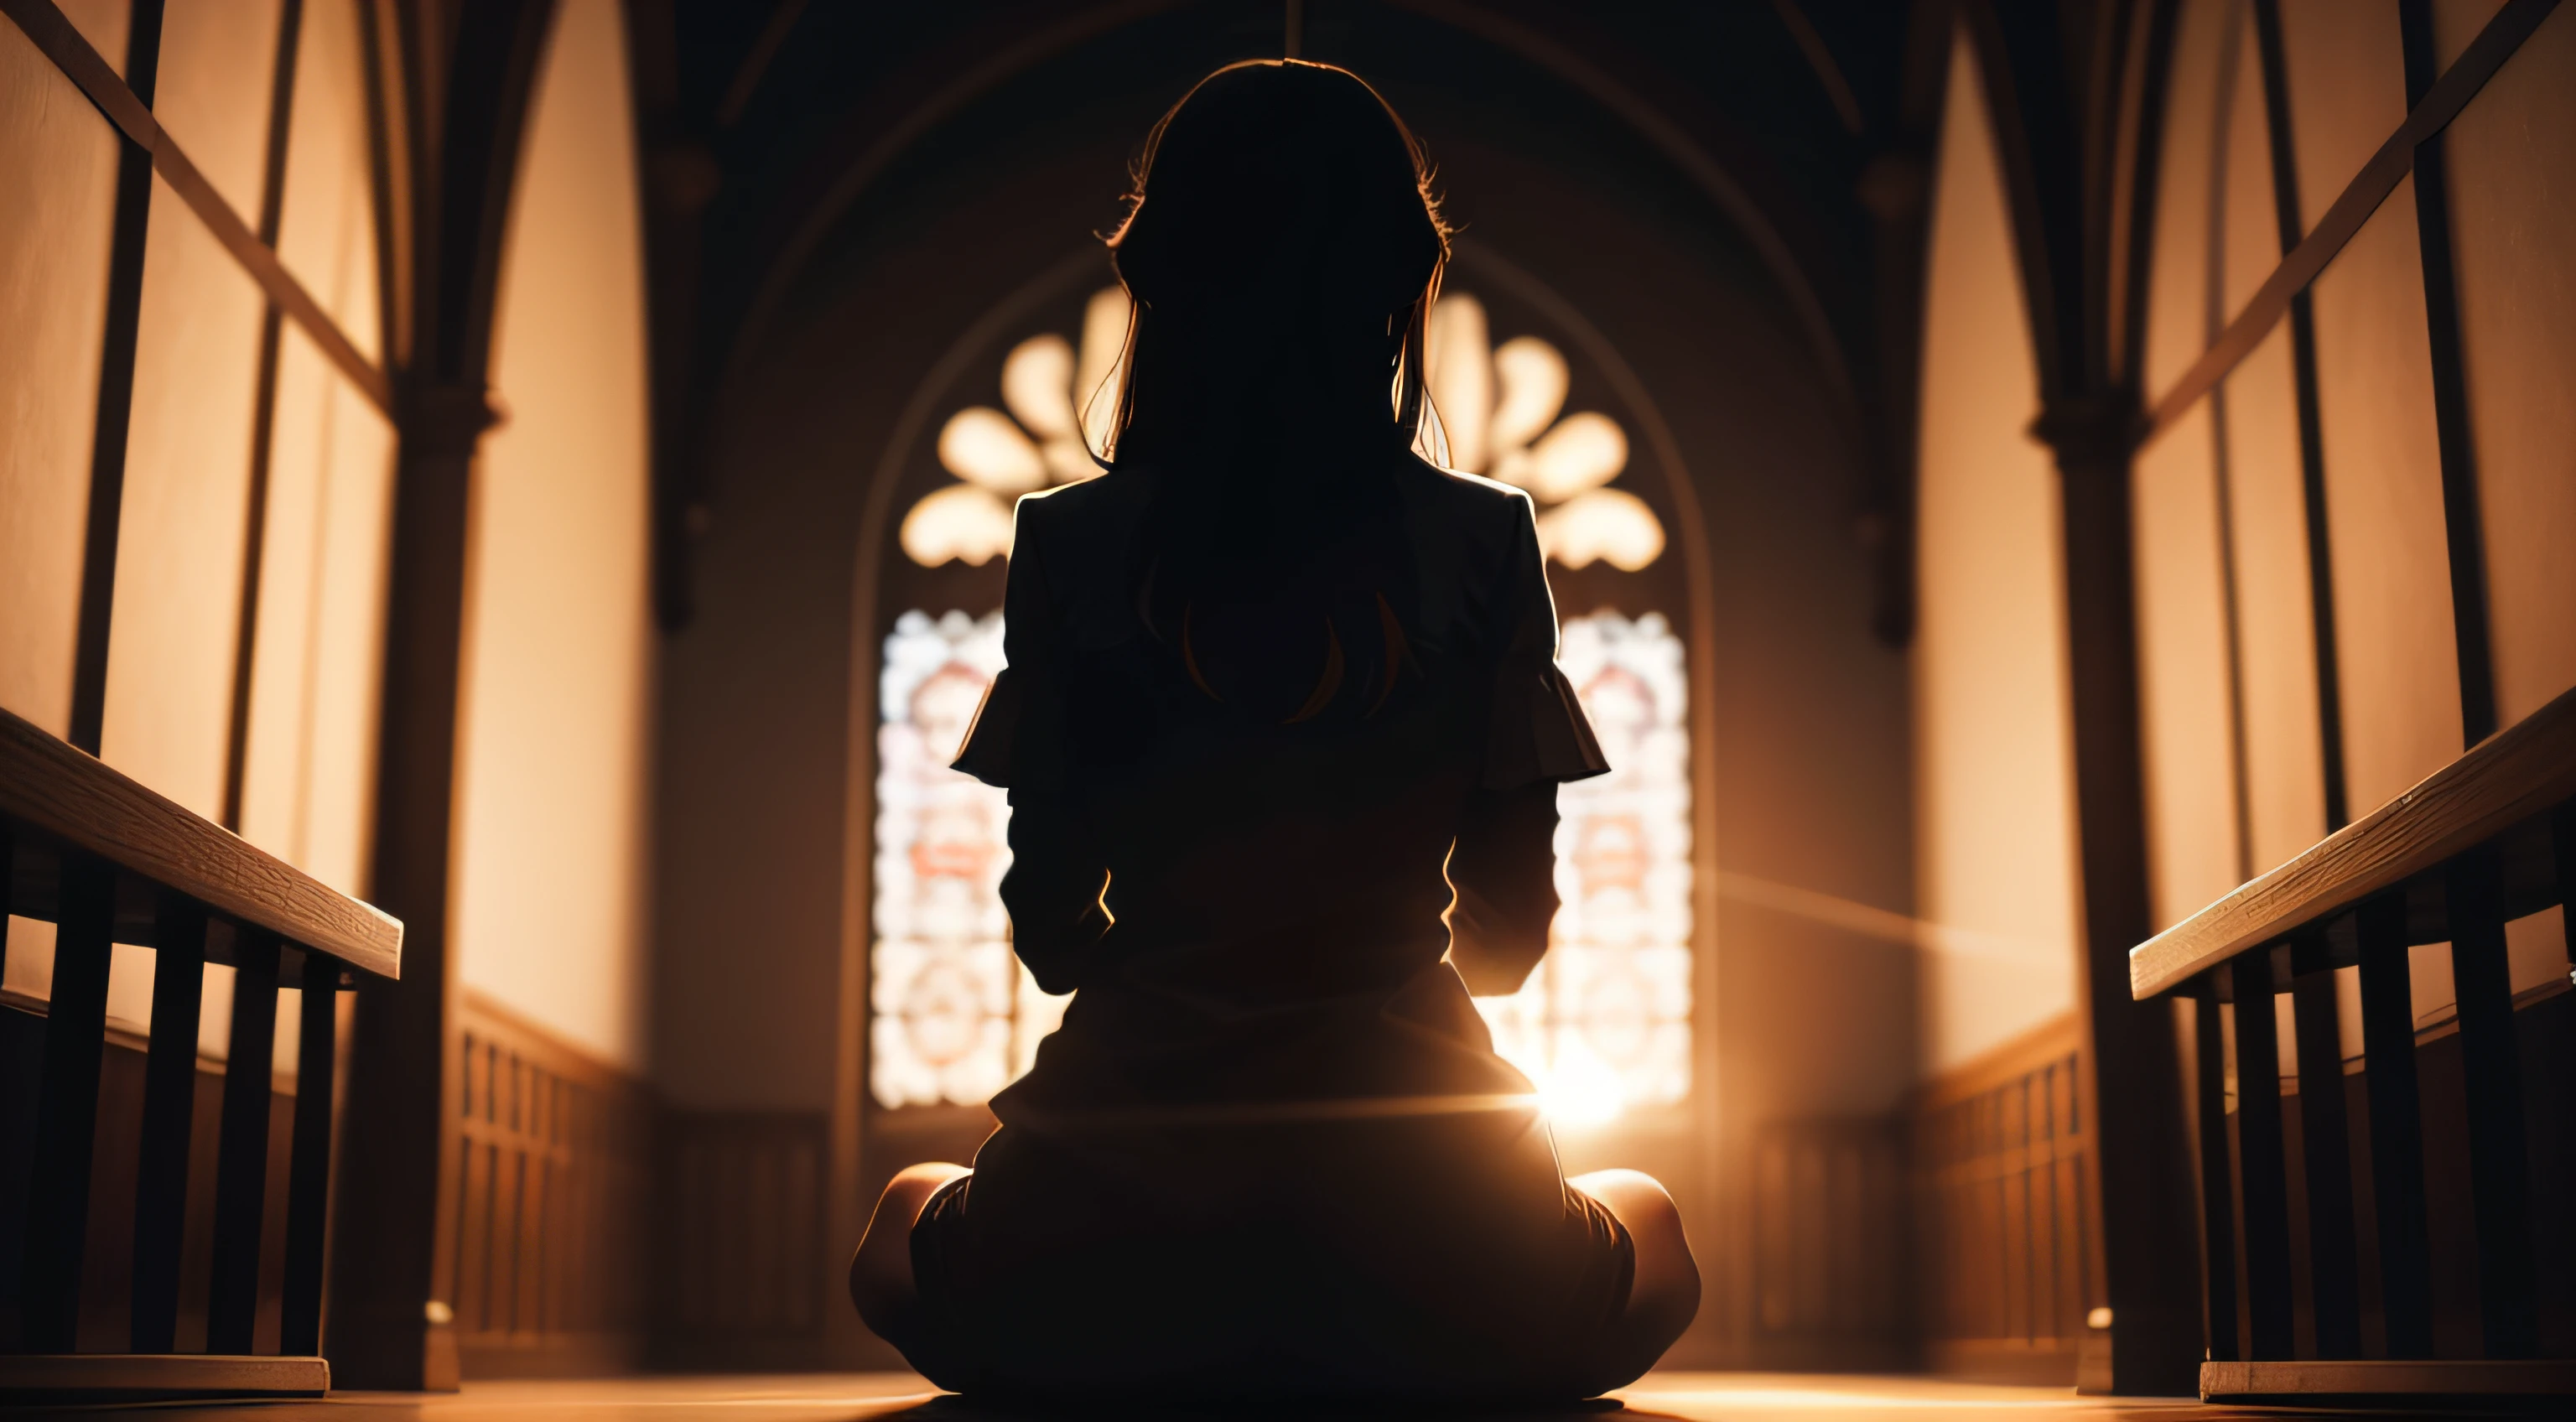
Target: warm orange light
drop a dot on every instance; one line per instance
(1584, 451)
(1580, 1089)
(1060, 405)
(1104, 358)
(1533, 379)
(1037, 385)
(1461, 378)
(962, 522)
(1607, 525)
(982, 446)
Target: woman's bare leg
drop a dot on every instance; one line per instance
(881, 1282)
(1665, 1295)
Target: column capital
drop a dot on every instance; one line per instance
(2092, 430)
(445, 419)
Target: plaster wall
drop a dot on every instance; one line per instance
(553, 834)
(1994, 811)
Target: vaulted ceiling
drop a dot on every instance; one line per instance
(1790, 136)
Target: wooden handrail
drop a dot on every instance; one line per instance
(80, 802)
(2503, 780)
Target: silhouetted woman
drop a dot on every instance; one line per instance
(1269, 677)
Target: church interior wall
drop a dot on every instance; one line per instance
(1995, 869)
(187, 474)
(53, 250)
(1810, 753)
(2299, 657)
(663, 837)
(278, 744)
(555, 778)
(2237, 694)
(2513, 208)
(244, 617)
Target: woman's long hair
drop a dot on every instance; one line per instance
(1282, 250)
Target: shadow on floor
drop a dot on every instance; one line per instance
(959, 1409)
(885, 1397)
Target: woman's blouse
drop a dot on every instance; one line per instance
(1255, 896)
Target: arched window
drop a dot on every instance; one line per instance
(1604, 1024)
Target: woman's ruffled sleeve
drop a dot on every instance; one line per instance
(986, 754)
(1053, 888)
(1539, 731)
(998, 741)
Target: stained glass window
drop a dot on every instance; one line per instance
(955, 1016)
(1604, 1023)
(1499, 409)
(1059, 399)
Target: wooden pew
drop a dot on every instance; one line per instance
(2489, 838)
(109, 861)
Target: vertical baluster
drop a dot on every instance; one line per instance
(2217, 1198)
(241, 1153)
(308, 1169)
(473, 1187)
(8, 891)
(524, 1187)
(2396, 1126)
(2325, 1147)
(2491, 1065)
(169, 1110)
(2258, 1135)
(540, 1213)
(2562, 833)
(67, 1109)
(2014, 1187)
(2067, 1198)
(2062, 1317)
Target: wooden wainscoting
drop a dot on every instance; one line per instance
(552, 1211)
(2005, 1219)
(1830, 1256)
(747, 1274)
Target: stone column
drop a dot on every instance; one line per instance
(2148, 1244)
(394, 1225)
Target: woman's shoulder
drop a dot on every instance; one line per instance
(1462, 514)
(1075, 542)
(1108, 498)
(1468, 535)
(1466, 520)
(1482, 508)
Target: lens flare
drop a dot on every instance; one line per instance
(1580, 1089)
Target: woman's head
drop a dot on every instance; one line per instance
(1283, 249)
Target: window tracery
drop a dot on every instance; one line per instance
(1498, 411)
(1058, 400)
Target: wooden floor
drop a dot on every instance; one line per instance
(1682, 1397)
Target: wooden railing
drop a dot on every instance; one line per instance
(108, 861)
(2299, 1239)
